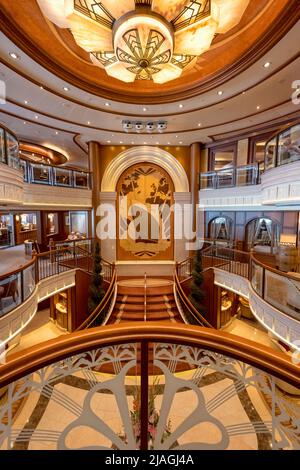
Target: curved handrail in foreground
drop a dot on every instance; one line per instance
(30, 360)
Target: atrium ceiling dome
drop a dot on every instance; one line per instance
(144, 39)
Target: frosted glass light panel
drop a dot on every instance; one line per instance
(2, 146)
(12, 151)
(289, 145)
(79, 223)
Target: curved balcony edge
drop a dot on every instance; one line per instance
(279, 186)
(281, 325)
(14, 322)
(11, 185)
(13, 190)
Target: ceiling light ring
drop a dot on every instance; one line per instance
(145, 13)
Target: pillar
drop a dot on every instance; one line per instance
(194, 180)
(96, 166)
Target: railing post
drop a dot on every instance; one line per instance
(36, 266)
(144, 394)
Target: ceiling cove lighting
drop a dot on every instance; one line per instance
(138, 40)
(14, 56)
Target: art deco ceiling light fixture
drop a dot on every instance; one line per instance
(144, 39)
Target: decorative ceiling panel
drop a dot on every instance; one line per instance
(169, 9)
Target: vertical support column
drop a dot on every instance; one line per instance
(97, 171)
(194, 180)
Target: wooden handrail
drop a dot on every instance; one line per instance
(17, 271)
(273, 270)
(32, 359)
(76, 240)
(181, 263)
(99, 309)
(194, 312)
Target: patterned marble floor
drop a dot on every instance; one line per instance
(45, 416)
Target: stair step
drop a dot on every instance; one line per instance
(140, 307)
(153, 316)
(136, 291)
(154, 299)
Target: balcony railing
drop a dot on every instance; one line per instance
(247, 175)
(16, 287)
(154, 386)
(279, 289)
(38, 173)
(283, 148)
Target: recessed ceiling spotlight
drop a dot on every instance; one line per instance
(41, 87)
(258, 107)
(181, 105)
(176, 136)
(107, 104)
(145, 143)
(169, 143)
(157, 143)
(199, 124)
(243, 93)
(180, 143)
(89, 122)
(132, 143)
(267, 65)
(56, 133)
(26, 102)
(220, 92)
(36, 116)
(24, 122)
(145, 109)
(121, 142)
(14, 56)
(109, 141)
(66, 88)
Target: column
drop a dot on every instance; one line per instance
(194, 180)
(97, 170)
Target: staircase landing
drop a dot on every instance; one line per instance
(160, 301)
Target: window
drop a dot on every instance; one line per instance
(262, 234)
(289, 146)
(12, 151)
(270, 156)
(222, 157)
(220, 229)
(2, 146)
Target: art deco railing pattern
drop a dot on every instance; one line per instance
(150, 387)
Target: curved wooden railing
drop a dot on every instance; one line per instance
(258, 273)
(18, 270)
(285, 297)
(146, 352)
(29, 360)
(98, 315)
(186, 308)
(16, 286)
(19, 284)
